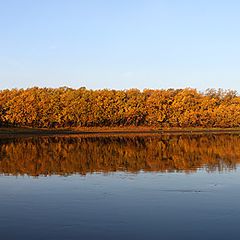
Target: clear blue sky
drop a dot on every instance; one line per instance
(120, 43)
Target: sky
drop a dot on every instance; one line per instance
(120, 44)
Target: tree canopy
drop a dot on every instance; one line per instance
(67, 107)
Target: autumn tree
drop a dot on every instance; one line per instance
(67, 107)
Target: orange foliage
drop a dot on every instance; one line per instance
(66, 107)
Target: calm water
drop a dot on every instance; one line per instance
(131, 187)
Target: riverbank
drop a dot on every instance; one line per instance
(21, 132)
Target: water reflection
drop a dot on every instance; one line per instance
(70, 155)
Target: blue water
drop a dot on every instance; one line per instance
(155, 187)
(120, 205)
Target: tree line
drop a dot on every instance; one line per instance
(67, 107)
(70, 155)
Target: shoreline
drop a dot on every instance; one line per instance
(27, 132)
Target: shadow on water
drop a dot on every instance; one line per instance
(81, 155)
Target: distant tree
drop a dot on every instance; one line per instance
(67, 107)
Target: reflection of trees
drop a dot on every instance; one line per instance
(68, 155)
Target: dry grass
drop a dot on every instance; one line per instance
(20, 132)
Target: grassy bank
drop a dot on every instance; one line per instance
(20, 132)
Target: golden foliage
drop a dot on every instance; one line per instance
(66, 107)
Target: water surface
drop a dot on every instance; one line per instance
(120, 187)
